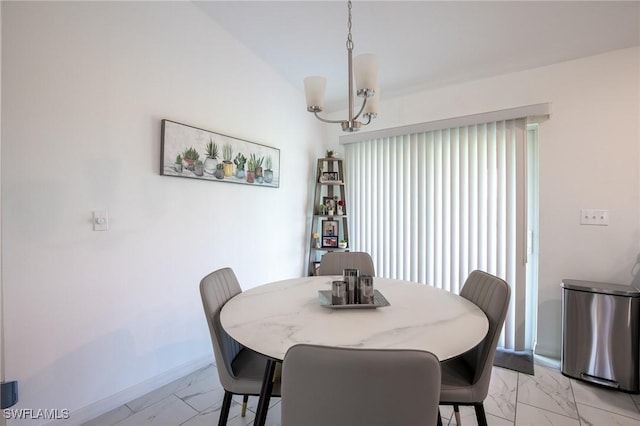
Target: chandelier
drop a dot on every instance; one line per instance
(365, 67)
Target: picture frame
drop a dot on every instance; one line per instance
(330, 228)
(328, 177)
(195, 153)
(331, 242)
(329, 203)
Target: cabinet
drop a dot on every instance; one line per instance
(329, 226)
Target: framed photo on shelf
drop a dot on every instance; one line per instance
(330, 229)
(330, 177)
(329, 203)
(329, 241)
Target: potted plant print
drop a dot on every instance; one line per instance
(268, 173)
(258, 164)
(239, 161)
(198, 168)
(251, 168)
(211, 161)
(227, 155)
(219, 173)
(189, 158)
(178, 164)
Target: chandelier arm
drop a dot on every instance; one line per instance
(364, 103)
(325, 120)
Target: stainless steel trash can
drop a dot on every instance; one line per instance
(600, 333)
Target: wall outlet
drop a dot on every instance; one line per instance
(594, 217)
(9, 393)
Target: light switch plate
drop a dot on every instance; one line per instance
(594, 217)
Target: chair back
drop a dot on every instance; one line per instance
(491, 294)
(345, 386)
(334, 262)
(216, 289)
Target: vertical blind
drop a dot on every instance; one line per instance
(433, 206)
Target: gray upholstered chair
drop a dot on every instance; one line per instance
(465, 379)
(345, 387)
(240, 369)
(334, 262)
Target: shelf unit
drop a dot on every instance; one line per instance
(329, 186)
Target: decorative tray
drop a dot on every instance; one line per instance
(379, 301)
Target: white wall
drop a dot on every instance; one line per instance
(589, 153)
(2, 378)
(84, 87)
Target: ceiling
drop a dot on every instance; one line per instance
(424, 44)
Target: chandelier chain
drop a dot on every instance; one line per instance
(349, 38)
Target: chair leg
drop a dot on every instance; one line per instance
(439, 418)
(245, 399)
(265, 393)
(224, 411)
(480, 415)
(456, 411)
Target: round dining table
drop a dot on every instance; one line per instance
(271, 318)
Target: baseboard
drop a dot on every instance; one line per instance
(546, 361)
(546, 357)
(546, 352)
(109, 403)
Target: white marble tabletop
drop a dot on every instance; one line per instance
(273, 317)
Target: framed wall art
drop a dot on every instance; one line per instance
(195, 153)
(330, 228)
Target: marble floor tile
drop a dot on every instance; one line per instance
(252, 404)
(604, 399)
(274, 415)
(501, 401)
(514, 399)
(527, 415)
(161, 393)
(111, 417)
(446, 412)
(636, 400)
(210, 417)
(591, 416)
(468, 418)
(547, 389)
(203, 391)
(170, 411)
(206, 400)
